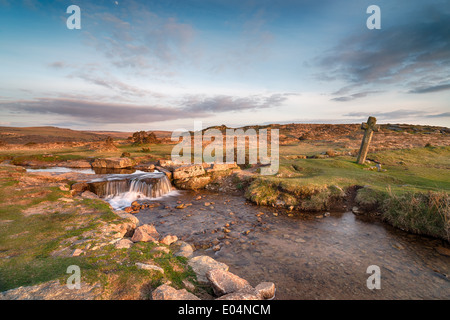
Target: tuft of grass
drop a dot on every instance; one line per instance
(421, 213)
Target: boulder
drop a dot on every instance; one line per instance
(123, 244)
(166, 292)
(224, 282)
(188, 171)
(145, 233)
(202, 264)
(193, 183)
(112, 163)
(183, 249)
(169, 239)
(266, 290)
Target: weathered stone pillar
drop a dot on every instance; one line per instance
(370, 127)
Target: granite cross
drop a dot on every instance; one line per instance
(370, 127)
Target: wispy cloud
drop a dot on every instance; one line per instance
(139, 39)
(94, 112)
(354, 96)
(438, 88)
(394, 55)
(398, 114)
(225, 103)
(99, 112)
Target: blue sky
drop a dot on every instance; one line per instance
(147, 65)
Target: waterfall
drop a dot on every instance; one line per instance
(121, 190)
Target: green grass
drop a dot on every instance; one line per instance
(28, 244)
(423, 213)
(315, 184)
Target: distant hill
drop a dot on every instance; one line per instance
(289, 133)
(15, 135)
(23, 135)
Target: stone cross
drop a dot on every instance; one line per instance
(370, 127)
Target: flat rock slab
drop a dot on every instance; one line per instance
(202, 264)
(52, 290)
(166, 292)
(112, 163)
(150, 267)
(188, 171)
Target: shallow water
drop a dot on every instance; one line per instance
(61, 170)
(97, 171)
(306, 257)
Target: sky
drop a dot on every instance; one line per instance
(161, 65)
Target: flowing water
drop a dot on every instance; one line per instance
(306, 256)
(120, 190)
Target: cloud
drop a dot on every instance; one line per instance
(398, 54)
(57, 65)
(94, 112)
(354, 96)
(225, 103)
(437, 88)
(136, 38)
(439, 115)
(397, 114)
(99, 112)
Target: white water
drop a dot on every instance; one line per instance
(124, 200)
(121, 190)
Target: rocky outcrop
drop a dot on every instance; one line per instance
(194, 176)
(112, 163)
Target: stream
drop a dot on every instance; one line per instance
(307, 257)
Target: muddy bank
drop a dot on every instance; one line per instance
(307, 256)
